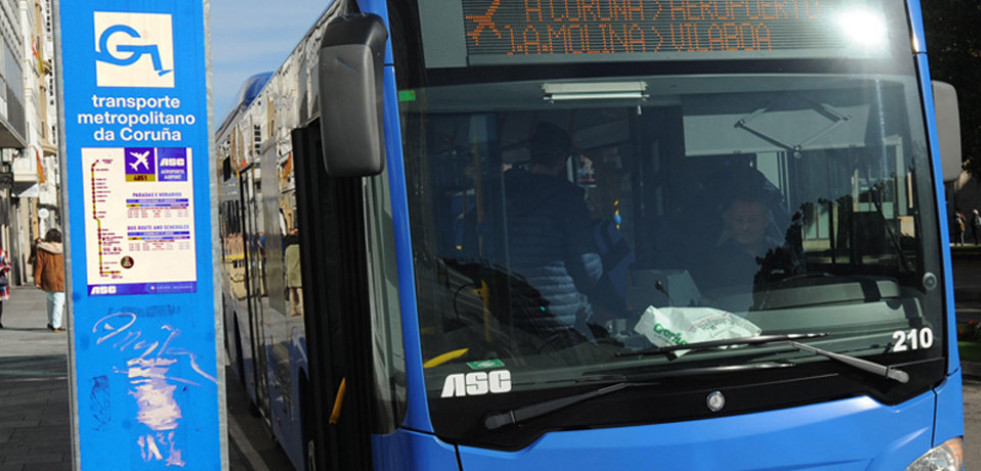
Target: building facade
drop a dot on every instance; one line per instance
(29, 205)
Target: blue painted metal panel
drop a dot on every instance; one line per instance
(136, 160)
(950, 410)
(417, 415)
(916, 21)
(949, 419)
(953, 361)
(853, 434)
(409, 450)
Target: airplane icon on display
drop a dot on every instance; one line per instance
(140, 160)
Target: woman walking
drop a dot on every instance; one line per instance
(4, 283)
(49, 275)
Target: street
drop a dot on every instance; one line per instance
(972, 423)
(967, 287)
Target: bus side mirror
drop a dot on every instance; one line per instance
(948, 129)
(352, 55)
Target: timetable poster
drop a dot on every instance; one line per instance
(139, 226)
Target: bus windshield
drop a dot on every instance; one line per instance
(568, 219)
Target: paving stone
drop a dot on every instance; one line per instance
(35, 426)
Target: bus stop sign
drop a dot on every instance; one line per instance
(144, 347)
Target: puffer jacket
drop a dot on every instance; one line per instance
(49, 267)
(551, 243)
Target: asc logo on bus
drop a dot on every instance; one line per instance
(477, 384)
(102, 290)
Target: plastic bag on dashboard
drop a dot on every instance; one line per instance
(683, 325)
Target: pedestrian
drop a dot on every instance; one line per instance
(4, 281)
(294, 279)
(49, 275)
(958, 228)
(30, 259)
(976, 227)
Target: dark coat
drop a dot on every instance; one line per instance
(5, 271)
(551, 243)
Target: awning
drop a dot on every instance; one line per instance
(10, 138)
(29, 192)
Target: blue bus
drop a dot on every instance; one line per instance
(595, 234)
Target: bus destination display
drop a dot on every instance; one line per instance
(529, 31)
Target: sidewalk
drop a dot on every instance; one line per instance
(35, 429)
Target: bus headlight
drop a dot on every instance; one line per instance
(949, 456)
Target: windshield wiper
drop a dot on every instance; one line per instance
(865, 365)
(786, 339)
(710, 344)
(497, 420)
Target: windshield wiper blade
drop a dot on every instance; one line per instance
(865, 365)
(786, 339)
(497, 420)
(648, 378)
(710, 344)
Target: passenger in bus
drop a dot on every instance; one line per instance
(549, 233)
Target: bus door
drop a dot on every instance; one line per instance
(338, 419)
(253, 283)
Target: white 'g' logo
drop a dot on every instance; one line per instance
(134, 50)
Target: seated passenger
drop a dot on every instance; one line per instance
(549, 234)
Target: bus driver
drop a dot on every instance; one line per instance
(748, 251)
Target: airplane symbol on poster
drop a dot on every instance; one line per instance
(140, 160)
